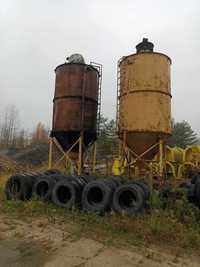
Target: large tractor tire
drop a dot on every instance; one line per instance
(44, 185)
(67, 192)
(19, 187)
(129, 199)
(97, 195)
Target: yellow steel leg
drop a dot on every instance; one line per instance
(94, 157)
(50, 152)
(120, 157)
(80, 155)
(123, 147)
(161, 155)
(66, 161)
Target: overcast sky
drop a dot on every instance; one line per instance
(37, 35)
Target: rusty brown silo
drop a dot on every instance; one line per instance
(75, 105)
(144, 99)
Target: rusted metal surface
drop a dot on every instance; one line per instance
(144, 100)
(75, 103)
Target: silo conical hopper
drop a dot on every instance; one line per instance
(144, 99)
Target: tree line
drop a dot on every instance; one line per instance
(13, 136)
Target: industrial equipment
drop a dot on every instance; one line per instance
(143, 108)
(76, 111)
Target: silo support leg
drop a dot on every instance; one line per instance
(65, 158)
(80, 157)
(94, 157)
(161, 158)
(50, 153)
(134, 157)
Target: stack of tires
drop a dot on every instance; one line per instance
(20, 186)
(23, 186)
(85, 192)
(113, 194)
(67, 192)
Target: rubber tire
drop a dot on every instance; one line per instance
(35, 177)
(59, 177)
(195, 178)
(24, 183)
(144, 187)
(102, 206)
(197, 192)
(117, 180)
(50, 183)
(51, 179)
(87, 178)
(73, 199)
(138, 194)
(52, 171)
(191, 194)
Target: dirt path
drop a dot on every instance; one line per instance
(40, 243)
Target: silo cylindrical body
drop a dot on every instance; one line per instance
(144, 100)
(75, 104)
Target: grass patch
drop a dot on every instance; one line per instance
(155, 227)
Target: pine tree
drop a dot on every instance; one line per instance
(182, 134)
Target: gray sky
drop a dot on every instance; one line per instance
(37, 35)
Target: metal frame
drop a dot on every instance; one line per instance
(171, 166)
(66, 158)
(129, 158)
(182, 166)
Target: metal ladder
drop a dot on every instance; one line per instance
(99, 68)
(118, 94)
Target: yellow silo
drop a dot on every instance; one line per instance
(144, 99)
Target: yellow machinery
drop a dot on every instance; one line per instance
(143, 109)
(191, 160)
(174, 158)
(192, 154)
(178, 161)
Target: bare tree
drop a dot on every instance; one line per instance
(23, 139)
(40, 134)
(9, 126)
